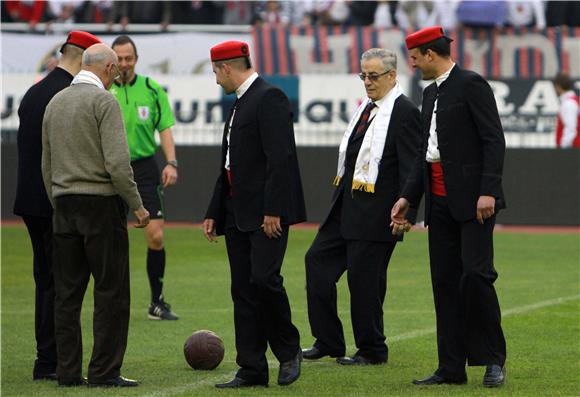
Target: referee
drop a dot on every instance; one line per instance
(145, 110)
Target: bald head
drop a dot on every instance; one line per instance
(98, 54)
(102, 61)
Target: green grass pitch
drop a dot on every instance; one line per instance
(539, 290)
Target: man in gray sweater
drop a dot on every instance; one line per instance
(87, 174)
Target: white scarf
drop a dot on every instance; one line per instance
(86, 77)
(366, 169)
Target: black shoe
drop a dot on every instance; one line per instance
(237, 383)
(359, 360)
(161, 311)
(494, 376)
(71, 383)
(438, 380)
(45, 376)
(315, 353)
(290, 370)
(119, 381)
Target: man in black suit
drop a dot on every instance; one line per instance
(31, 201)
(257, 196)
(460, 172)
(375, 157)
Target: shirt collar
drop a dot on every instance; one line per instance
(439, 80)
(87, 77)
(382, 100)
(245, 85)
(130, 83)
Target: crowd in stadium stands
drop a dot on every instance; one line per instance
(405, 14)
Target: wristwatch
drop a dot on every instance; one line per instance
(173, 163)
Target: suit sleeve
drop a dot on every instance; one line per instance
(274, 124)
(408, 150)
(45, 162)
(214, 208)
(483, 108)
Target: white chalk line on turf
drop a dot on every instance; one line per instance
(506, 313)
(408, 335)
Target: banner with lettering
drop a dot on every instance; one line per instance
(322, 106)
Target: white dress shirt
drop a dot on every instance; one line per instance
(568, 113)
(433, 155)
(239, 92)
(375, 110)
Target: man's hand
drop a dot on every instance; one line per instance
(272, 227)
(209, 230)
(399, 229)
(485, 208)
(398, 213)
(169, 175)
(142, 216)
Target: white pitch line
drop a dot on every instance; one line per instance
(189, 386)
(408, 335)
(539, 305)
(506, 313)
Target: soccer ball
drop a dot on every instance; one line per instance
(203, 350)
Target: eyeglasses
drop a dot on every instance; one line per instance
(372, 76)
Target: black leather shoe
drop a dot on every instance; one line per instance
(119, 381)
(315, 353)
(238, 382)
(438, 380)
(71, 383)
(45, 376)
(359, 360)
(494, 376)
(290, 370)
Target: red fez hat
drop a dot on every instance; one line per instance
(229, 50)
(80, 39)
(424, 36)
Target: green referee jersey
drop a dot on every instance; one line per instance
(146, 109)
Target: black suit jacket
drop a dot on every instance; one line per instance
(263, 162)
(31, 198)
(367, 216)
(471, 143)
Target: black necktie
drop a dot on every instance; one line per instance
(364, 118)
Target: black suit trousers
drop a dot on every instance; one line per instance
(90, 238)
(366, 265)
(40, 231)
(466, 303)
(262, 313)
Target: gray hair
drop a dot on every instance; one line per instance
(388, 57)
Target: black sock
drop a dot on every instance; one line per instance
(155, 271)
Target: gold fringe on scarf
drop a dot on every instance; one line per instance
(336, 181)
(365, 187)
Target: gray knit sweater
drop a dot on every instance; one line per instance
(84, 146)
